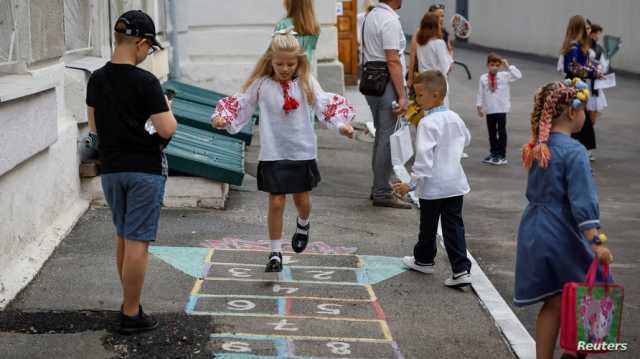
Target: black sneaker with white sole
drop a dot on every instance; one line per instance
(458, 280)
(275, 262)
(138, 324)
(500, 161)
(488, 159)
(300, 239)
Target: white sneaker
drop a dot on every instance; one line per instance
(410, 262)
(458, 280)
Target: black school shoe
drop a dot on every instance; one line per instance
(143, 323)
(275, 262)
(300, 240)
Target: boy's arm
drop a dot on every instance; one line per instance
(480, 97)
(91, 119)
(426, 141)
(159, 106)
(512, 71)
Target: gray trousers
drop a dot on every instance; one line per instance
(384, 120)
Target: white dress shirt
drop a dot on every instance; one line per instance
(284, 136)
(500, 100)
(383, 31)
(437, 171)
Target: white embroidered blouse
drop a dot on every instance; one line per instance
(284, 135)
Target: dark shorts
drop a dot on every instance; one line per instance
(285, 177)
(135, 199)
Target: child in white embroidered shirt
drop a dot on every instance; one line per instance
(439, 181)
(494, 101)
(282, 87)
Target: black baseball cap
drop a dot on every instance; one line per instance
(138, 24)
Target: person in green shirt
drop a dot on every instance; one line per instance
(302, 19)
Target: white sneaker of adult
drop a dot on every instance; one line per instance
(410, 262)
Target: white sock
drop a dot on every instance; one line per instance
(303, 223)
(276, 245)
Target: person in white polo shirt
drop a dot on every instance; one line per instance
(383, 41)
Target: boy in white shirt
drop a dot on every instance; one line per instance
(439, 181)
(494, 101)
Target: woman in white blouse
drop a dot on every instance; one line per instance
(432, 53)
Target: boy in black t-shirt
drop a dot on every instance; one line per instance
(120, 99)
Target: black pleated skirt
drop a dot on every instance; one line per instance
(286, 177)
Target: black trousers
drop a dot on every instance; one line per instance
(497, 126)
(586, 136)
(450, 211)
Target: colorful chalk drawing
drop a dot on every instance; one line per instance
(240, 244)
(322, 305)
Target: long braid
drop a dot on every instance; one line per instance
(549, 103)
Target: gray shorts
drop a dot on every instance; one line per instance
(135, 199)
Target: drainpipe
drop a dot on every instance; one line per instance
(173, 39)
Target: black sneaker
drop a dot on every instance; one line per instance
(275, 262)
(488, 159)
(300, 239)
(142, 323)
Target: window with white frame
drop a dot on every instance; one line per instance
(78, 25)
(7, 33)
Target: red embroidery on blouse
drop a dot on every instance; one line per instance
(337, 106)
(493, 82)
(228, 109)
(290, 103)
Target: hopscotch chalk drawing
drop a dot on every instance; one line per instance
(322, 305)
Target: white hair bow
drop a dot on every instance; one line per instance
(287, 31)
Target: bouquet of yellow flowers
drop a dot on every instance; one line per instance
(414, 113)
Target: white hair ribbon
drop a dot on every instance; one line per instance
(287, 31)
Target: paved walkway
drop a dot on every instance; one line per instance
(347, 296)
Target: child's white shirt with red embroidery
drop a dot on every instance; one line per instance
(284, 135)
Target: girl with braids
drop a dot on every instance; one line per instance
(282, 87)
(559, 231)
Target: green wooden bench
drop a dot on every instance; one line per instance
(194, 105)
(206, 154)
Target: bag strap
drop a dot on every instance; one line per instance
(364, 46)
(591, 275)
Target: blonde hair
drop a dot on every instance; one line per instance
(284, 43)
(304, 17)
(550, 103)
(576, 29)
(434, 80)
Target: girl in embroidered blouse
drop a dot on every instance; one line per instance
(559, 232)
(286, 94)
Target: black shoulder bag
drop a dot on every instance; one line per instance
(375, 74)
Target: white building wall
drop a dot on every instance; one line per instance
(220, 41)
(539, 26)
(42, 112)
